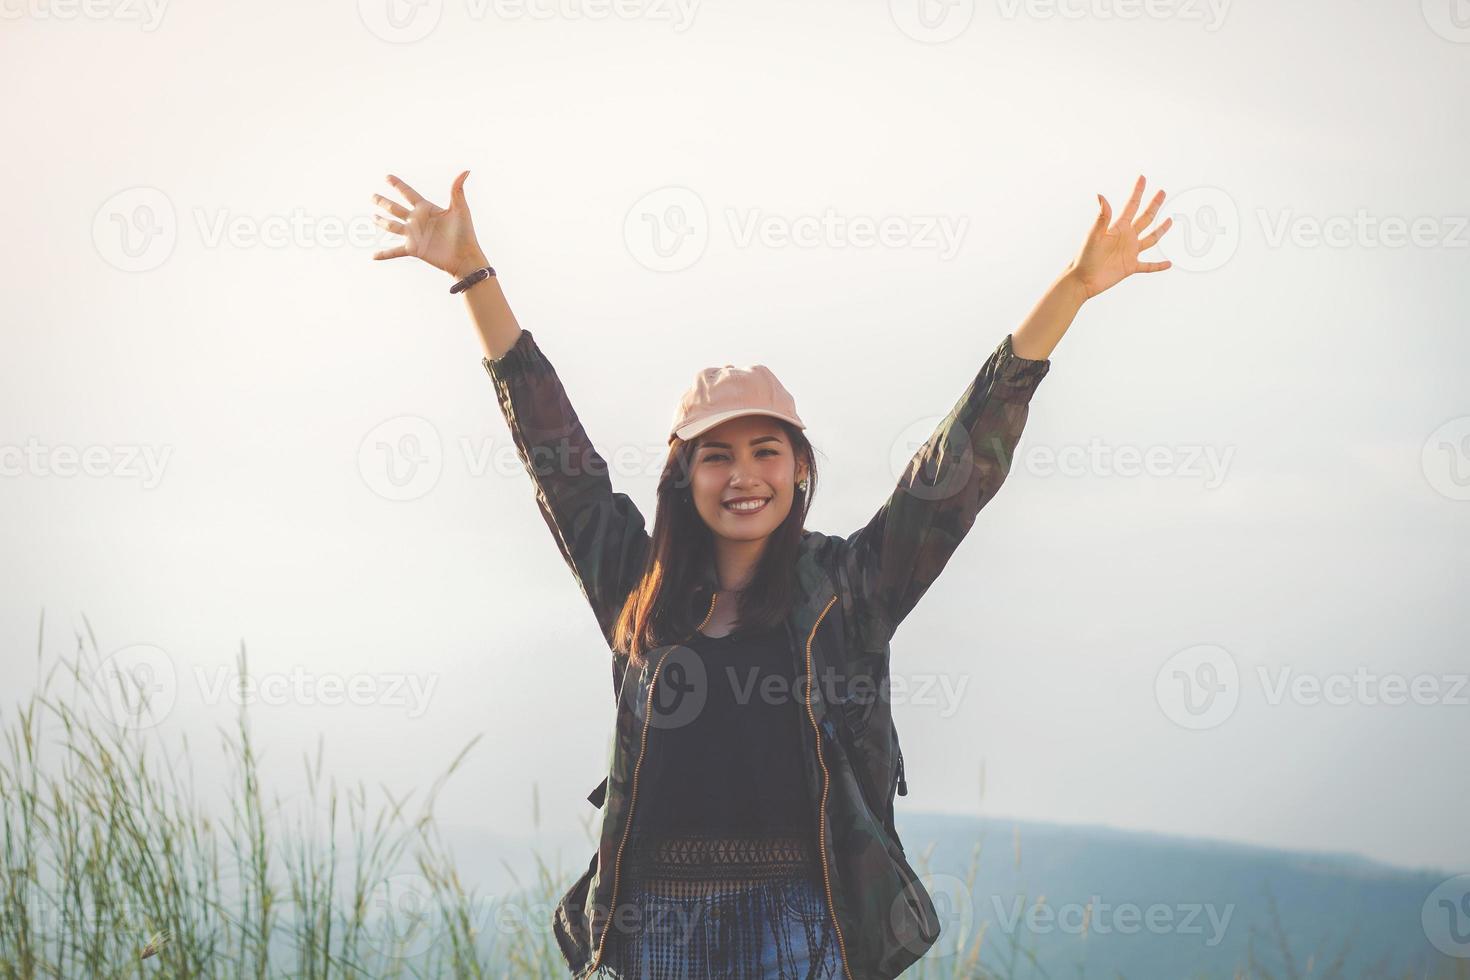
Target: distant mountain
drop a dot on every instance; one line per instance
(1162, 907)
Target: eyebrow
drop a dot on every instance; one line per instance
(726, 445)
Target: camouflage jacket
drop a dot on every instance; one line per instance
(853, 593)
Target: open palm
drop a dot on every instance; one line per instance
(1110, 253)
(442, 237)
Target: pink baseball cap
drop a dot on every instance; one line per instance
(723, 393)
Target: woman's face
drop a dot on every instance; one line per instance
(746, 457)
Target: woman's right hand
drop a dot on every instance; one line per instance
(442, 237)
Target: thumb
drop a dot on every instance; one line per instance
(1104, 216)
(456, 192)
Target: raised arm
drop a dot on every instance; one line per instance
(600, 533)
(894, 559)
(897, 555)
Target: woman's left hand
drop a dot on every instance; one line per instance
(1110, 254)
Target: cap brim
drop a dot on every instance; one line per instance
(693, 429)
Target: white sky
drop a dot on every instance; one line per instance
(1331, 539)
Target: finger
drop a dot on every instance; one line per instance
(396, 227)
(414, 197)
(1153, 238)
(1101, 224)
(1145, 219)
(1131, 208)
(392, 206)
(456, 193)
(396, 252)
(1154, 266)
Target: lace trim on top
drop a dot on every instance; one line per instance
(722, 857)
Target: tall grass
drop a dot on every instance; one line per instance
(114, 868)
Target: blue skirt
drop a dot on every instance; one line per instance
(778, 929)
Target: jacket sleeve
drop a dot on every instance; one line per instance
(892, 561)
(600, 533)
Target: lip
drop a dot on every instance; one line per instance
(725, 505)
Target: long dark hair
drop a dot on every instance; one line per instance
(666, 605)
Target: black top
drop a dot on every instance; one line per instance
(724, 753)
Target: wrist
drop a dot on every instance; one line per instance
(1069, 284)
(470, 262)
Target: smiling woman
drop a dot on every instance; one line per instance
(767, 821)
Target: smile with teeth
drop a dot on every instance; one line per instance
(748, 506)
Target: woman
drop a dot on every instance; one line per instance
(749, 826)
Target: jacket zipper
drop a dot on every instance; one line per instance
(633, 799)
(826, 779)
(821, 820)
